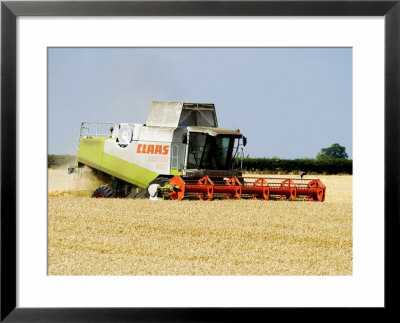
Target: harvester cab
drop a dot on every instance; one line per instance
(180, 152)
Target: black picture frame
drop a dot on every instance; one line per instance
(10, 10)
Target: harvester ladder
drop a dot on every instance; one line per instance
(175, 157)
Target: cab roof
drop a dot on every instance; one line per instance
(178, 114)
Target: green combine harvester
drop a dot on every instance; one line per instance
(178, 153)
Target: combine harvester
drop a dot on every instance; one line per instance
(179, 153)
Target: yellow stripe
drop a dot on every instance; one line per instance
(127, 171)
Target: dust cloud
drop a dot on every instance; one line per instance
(83, 182)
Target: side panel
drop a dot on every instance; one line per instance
(137, 163)
(127, 171)
(91, 151)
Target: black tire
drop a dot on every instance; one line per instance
(104, 192)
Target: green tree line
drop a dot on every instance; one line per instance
(309, 165)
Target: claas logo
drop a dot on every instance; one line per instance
(152, 149)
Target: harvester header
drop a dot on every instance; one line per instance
(180, 152)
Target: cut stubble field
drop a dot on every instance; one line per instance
(223, 237)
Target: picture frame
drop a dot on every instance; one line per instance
(10, 10)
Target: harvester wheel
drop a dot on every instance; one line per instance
(233, 181)
(261, 182)
(320, 196)
(104, 192)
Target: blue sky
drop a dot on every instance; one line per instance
(288, 102)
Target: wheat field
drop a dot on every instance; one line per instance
(223, 237)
